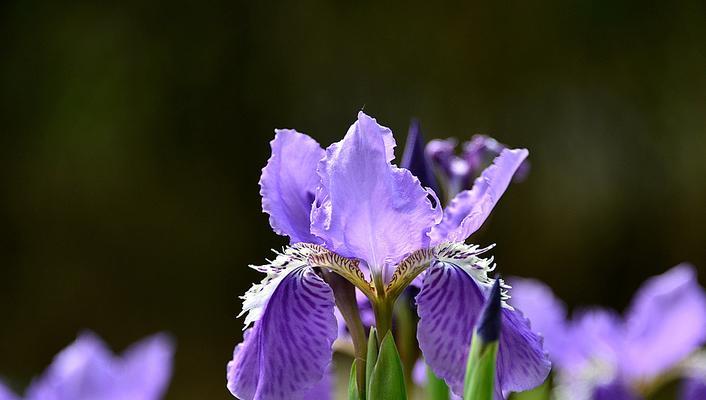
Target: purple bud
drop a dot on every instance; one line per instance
(415, 160)
(489, 322)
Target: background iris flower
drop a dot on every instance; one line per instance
(88, 370)
(598, 354)
(349, 210)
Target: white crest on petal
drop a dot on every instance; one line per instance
(466, 257)
(288, 260)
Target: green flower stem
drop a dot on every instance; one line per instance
(383, 317)
(344, 295)
(406, 336)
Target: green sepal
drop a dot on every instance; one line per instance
(479, 383)
(436, 388)
(387, 380)
(370, 359)
(353, 385)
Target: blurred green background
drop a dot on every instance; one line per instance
(132, 137)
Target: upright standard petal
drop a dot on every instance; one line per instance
(470, 208)
(665, 323)
(366, 207)
(146, 368)
(288, 350)
(288, 184)
(448, 307)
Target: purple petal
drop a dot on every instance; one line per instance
(87, 370)
(441, 153)
(83, 370)
(6, 393)
(448, 307)
(547, 315)
(482, 149)
(665, 323)
(146, 368)
(522, 362)
(598, 334)
(470, 208)
(323, 390)
(691, 389)
(415, 160)
(288, 350)
(616, 390)
(367, 208)
(288, 184)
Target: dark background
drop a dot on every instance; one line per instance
(132, 137)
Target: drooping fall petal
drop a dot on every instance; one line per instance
(288, 350)
(449, 305)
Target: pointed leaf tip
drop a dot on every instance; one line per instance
(387, 380)
(371, 359)
(353, 385)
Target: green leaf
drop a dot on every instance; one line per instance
(436, 387)
(387, 380)
(353, 385)
(371, 358)
(479, 383)
(539, 393)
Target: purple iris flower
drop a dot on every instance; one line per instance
(600, 355)
(349, 210)
(88, 370)
(459, 171)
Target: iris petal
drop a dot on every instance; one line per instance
(88, 370)
(665, 323)
(366, 207)
(323, 390)
(691, 389)
(6, 393)
(548, 317)
(146, 368)
(449, 305)
(83, 370)
(470, 208)
(288, 350)
(288, 184)
(522, 362)
(616, 390)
